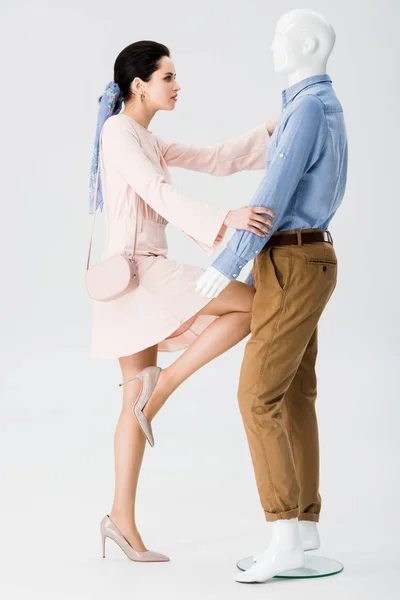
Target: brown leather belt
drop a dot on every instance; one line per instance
(292, 239)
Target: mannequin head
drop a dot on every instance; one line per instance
(302, 44)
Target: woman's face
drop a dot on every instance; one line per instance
(162, 89)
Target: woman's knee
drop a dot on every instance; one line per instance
(236, 297)
(133, 364)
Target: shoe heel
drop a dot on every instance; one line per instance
(127, 381)
(103, 541)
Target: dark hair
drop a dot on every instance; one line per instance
(139, 59)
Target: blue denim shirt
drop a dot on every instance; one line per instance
(306, 170)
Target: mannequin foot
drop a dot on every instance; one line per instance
(284, 553)
(309, 537)
(128, 529)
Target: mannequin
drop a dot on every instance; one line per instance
(301, 47)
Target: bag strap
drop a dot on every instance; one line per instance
(94, 218)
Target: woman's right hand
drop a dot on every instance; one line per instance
(250, 218)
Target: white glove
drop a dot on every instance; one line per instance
(211, 283)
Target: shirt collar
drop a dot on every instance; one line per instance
(293, 90)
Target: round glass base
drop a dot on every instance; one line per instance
(315, 566)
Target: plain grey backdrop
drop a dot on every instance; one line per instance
(197, 499)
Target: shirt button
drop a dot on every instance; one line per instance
(234, 275)
(281, 155)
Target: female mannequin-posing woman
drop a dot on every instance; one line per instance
(164, 313)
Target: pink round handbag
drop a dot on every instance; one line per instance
(113, 277)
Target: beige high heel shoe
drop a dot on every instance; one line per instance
(149, 377)
(108, 529)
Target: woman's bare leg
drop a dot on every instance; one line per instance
(233, 306)
(129, 444)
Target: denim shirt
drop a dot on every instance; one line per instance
(306, 170)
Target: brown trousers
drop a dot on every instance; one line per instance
(278, 387)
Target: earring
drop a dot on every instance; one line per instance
(142, 96)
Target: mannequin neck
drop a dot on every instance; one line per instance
(305, 72)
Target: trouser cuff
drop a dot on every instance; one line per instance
(289, 514)
(309, 517)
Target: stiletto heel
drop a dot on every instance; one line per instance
(108, 529)
(127, 381)
(103, 539)
(149, 377)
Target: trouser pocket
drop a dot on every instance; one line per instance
(272, 270)
(322, 270)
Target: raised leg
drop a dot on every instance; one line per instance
(233, 307)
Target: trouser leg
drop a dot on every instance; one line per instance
(292, 289)
(301, 424)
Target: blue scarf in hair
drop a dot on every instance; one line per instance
(110, 104)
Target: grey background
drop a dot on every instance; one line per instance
(197, 499)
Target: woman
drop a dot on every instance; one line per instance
(164, 312)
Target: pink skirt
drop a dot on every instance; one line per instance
(161, 310)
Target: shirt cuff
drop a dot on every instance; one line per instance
(214, 228)
(229, 264)
(216, 231)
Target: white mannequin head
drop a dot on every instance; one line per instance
(302, 44)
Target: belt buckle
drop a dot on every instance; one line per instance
(330, 240)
